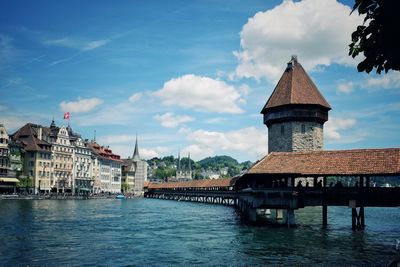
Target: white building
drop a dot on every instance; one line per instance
(82, 171)
(109, 169)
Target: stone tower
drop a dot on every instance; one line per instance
(295, 113)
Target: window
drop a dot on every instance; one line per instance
(303, 129)
(282, 130)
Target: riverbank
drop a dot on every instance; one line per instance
(59, 197)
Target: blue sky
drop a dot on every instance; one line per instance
(185, 75)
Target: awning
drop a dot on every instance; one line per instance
(9, 180)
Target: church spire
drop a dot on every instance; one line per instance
(136, 156)
(179, 161)
(53, 124)
(190, 168)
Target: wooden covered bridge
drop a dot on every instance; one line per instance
(282, 182)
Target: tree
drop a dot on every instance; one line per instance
(25, 182)
(378, 37)
(125, 187)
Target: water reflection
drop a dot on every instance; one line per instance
(157, 232)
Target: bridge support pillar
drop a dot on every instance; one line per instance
(324, 215)
(357, 219)
(290, 219)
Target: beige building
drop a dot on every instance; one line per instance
(62, 159)
(38, 160)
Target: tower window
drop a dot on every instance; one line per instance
(282, 130)
(303, 129)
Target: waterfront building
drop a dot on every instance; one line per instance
(128, 176)
(62, 159)
(295, 112)
(38, 160)
(184, 173)
(8, 180)
(4, 152)
(135, 172)
(82, 170)
(16, 150)
(107, 175)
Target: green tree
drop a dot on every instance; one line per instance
(377, 37)
(25, 182)
(125, 187)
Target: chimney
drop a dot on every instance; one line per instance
(40, 133)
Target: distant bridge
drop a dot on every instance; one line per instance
(274, 188)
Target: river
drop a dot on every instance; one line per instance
(152, 232)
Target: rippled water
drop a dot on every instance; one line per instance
(149, 232)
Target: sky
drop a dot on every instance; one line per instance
(186, 76)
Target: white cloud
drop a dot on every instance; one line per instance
(13, 122)
(126, 151)
(215, 120)
(80, 106)
(198, 152)
(119, 114)
(200, 93)
(251, 142)
(319, 32)
(384, 81)
(334, 125)
(94, 44)
(388, 81)
(184, 130)
(346, 87)
(117, 139)
(135, 97)
(169, 120)
(76, 43)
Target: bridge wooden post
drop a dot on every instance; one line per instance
(353, 219)
(357, 219)
(362, 218)
(324, 215)
(290, 218)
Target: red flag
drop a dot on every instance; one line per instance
(66, 116)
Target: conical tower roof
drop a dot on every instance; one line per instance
(136, 156)
(295, 88)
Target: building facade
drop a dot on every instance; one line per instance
(295, 113)
(38, 156)
(135, 172)
(82, 170)
(57, 160)
(107, 169)
(4, 152)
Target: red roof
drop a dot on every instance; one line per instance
(104, 152)
(193, 183)
(324, 163)
(295, 87)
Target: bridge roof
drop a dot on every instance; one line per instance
(193, 183)
(355, 162)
